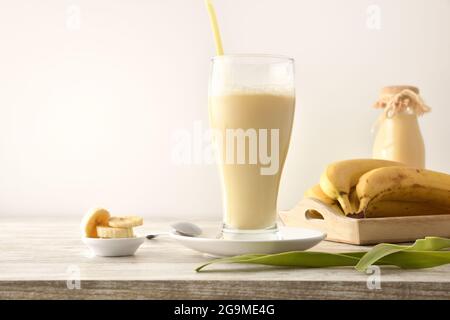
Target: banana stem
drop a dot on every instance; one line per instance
(346, 205)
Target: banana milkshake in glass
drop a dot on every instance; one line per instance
(251, 108)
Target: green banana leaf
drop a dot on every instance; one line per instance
(385, 249)
(424, 253)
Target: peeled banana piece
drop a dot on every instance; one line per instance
(398, 190)
(340, 177)
(93, 218)
(125, 222)
(113, 233)
(98, 223)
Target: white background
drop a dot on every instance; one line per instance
(91, 92)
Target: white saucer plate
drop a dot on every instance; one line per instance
(289, 239)
(114, 247)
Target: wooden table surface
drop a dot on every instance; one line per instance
(40, 257)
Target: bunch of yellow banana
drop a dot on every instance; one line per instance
(380, 188)
(98, 223)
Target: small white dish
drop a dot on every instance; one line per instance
(288, 239)
(114, 247)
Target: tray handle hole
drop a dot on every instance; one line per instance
(313, 215)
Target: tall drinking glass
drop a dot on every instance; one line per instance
(251, 108)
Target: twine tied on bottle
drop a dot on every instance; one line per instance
(397, 99)
(405, 100)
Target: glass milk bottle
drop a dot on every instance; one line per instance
(398, 136)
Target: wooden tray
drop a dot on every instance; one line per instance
(312, 213)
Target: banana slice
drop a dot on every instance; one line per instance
(108, 232)
(125, 222)
(93, 218)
